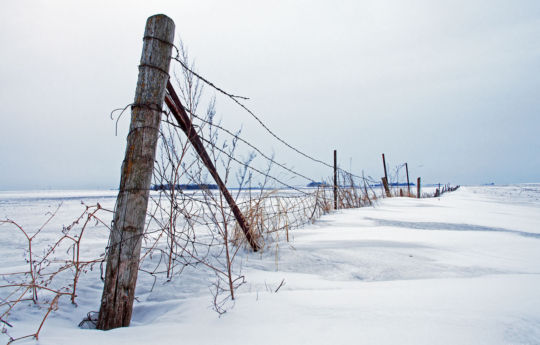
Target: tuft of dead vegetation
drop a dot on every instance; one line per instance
(188, 227)
(52, 271)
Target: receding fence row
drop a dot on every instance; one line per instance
(161, 227)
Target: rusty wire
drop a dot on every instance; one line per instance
(235, 98)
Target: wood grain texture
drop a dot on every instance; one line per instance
(124, 247)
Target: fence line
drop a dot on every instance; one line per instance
(207, 229)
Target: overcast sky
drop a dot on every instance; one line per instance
(452, 87)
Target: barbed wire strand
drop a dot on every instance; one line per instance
(257, 118)
(239, 138)
(214, 146)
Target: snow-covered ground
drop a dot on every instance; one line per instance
(460, 269)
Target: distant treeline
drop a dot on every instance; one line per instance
(324, 184)
(168, 186)
(318, 184)
(402, 184)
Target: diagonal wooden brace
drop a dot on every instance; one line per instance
(179, 113)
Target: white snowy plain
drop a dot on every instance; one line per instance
(460, 269)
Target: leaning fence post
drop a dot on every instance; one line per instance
(385, 179)
(418, 188)
(384, 165)
(408, 184)
(386, 187)
(123, 251)
(335, 180)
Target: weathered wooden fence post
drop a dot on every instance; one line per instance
(124, 247)
(408, 184)
(335, 181)
(418, 188)
(386, 187)
(384, 165)
(385, 179)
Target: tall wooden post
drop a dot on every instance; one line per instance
(408, 184)
(418, 188)
(335, 180)
(124, 247)
(384, 165)
(385, 179)
(386, 187)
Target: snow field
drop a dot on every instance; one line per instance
(460, 269)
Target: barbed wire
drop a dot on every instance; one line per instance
(214, 146)
(235, 98)
(238, 137)
(296, 210)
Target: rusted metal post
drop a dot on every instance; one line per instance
(408, 184)
(123, 251)
(335, 181)
(179, 113)
(418, 188)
